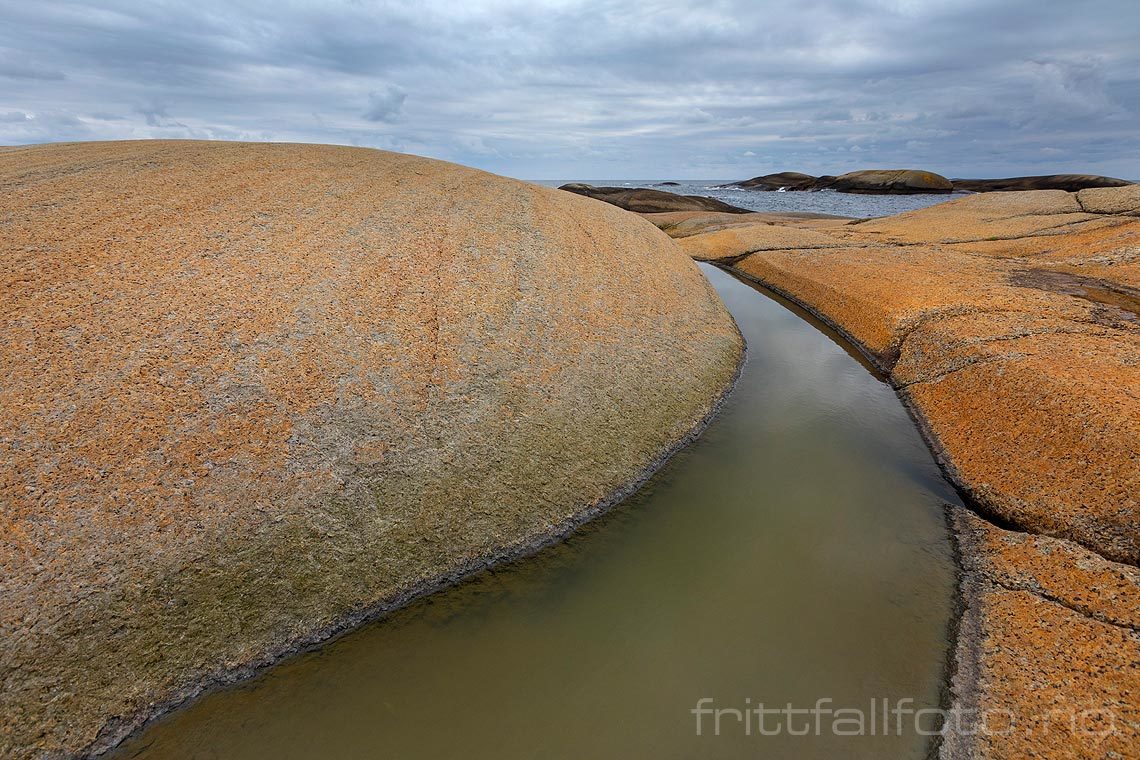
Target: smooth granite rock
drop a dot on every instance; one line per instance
(254, 393)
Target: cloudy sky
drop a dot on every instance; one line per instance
(597, 88)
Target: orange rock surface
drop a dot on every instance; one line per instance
(254, 393)
(1048, 656)
(1010, 323)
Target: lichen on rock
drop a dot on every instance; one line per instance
(254, 393)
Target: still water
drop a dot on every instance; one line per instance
(797, 552)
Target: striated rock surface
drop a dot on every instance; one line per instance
(1125, 201)
(747, 239)
(647, 201)
(254, 393)
(1048, 649)
(1010, 323)
(1068, 182)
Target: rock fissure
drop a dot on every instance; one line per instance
(969, 363)
(1053, 599)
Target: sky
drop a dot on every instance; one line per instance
(601, 89)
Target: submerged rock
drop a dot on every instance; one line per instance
(644, 200)
(253, 392)
(1068, 182)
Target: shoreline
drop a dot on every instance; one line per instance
(118, 731)
(963, 628)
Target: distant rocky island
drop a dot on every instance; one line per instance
(1070, 183)
(869, 181)
(910, 181)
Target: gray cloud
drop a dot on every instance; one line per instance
(386, 104)
(602, 88)
(156, 116)
(17, 71)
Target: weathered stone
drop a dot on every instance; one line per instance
(981, 217)
(254, 393)
(1048, 651)
(731, 243)
(1100, 201)
(1023, 365)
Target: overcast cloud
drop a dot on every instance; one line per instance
(701, 89)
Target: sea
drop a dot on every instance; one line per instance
(820, 202)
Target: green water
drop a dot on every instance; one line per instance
(796, 552)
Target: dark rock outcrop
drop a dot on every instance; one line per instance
(780, 181)
(892, 181)
(870, 181)
(645, 201)
(1067, 182)
(887, 182)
